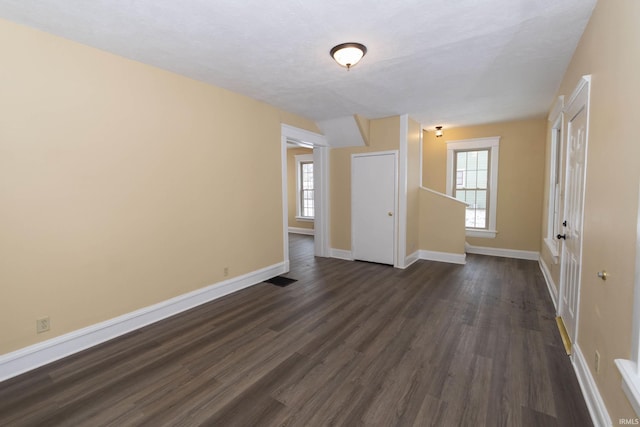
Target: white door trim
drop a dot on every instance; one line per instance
(321, 193)
(401, 216)
(395, 186)
(583, 84)
(321, 171)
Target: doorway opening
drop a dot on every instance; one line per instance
(304, 189)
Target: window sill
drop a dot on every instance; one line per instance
(487, 234)
(553, 249)
(304, 219)
(630, 382)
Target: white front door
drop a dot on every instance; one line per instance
(373, 207)
(573, 210)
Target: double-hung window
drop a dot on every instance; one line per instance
(472, 177)
(304, 186)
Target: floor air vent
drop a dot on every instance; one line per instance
(281, 281)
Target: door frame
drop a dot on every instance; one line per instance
(321, 187)
(583, 84)
(395, 200)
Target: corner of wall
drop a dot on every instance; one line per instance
(363, 125)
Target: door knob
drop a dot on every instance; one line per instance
(390, 213)
(562, 236)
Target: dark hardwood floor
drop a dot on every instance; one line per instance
(349, 343)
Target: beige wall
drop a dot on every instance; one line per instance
(441, 223)
(413, 187)
(298, 121)
(520, 178)
(610, 52)
(363, 126)
(292, 189)
(123, 185)
(384, 135)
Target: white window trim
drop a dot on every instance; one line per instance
(630, 369)
(556, 117)
(304, 218)
(301, 158)
(493, 144)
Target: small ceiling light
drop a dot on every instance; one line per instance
(438, 131)
(348, 54)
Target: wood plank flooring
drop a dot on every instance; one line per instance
(349, 343)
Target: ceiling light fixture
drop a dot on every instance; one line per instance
(438, 131)
(348, 54)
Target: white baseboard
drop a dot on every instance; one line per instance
(34, 356)
(595, 404)
(417, 255)
(443, 257)
(410, 259)
(551, 286)
(505, 253)
(340, 254)
(298, 230)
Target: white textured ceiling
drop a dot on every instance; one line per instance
(449, 62)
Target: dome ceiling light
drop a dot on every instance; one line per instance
(348, 54)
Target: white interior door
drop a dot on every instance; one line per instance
(571, 258)
(373, 208)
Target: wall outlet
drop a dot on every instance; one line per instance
(225, 272)
(43, 325)
(597, 362)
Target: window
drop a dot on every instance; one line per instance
(472, 177)
(555, 178)
(630, 369)
(304, 195)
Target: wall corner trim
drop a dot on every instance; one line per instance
(592, 397)
(449, 257)
(341, 254)
(551, 286)
(411, 259)
(31, 357)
